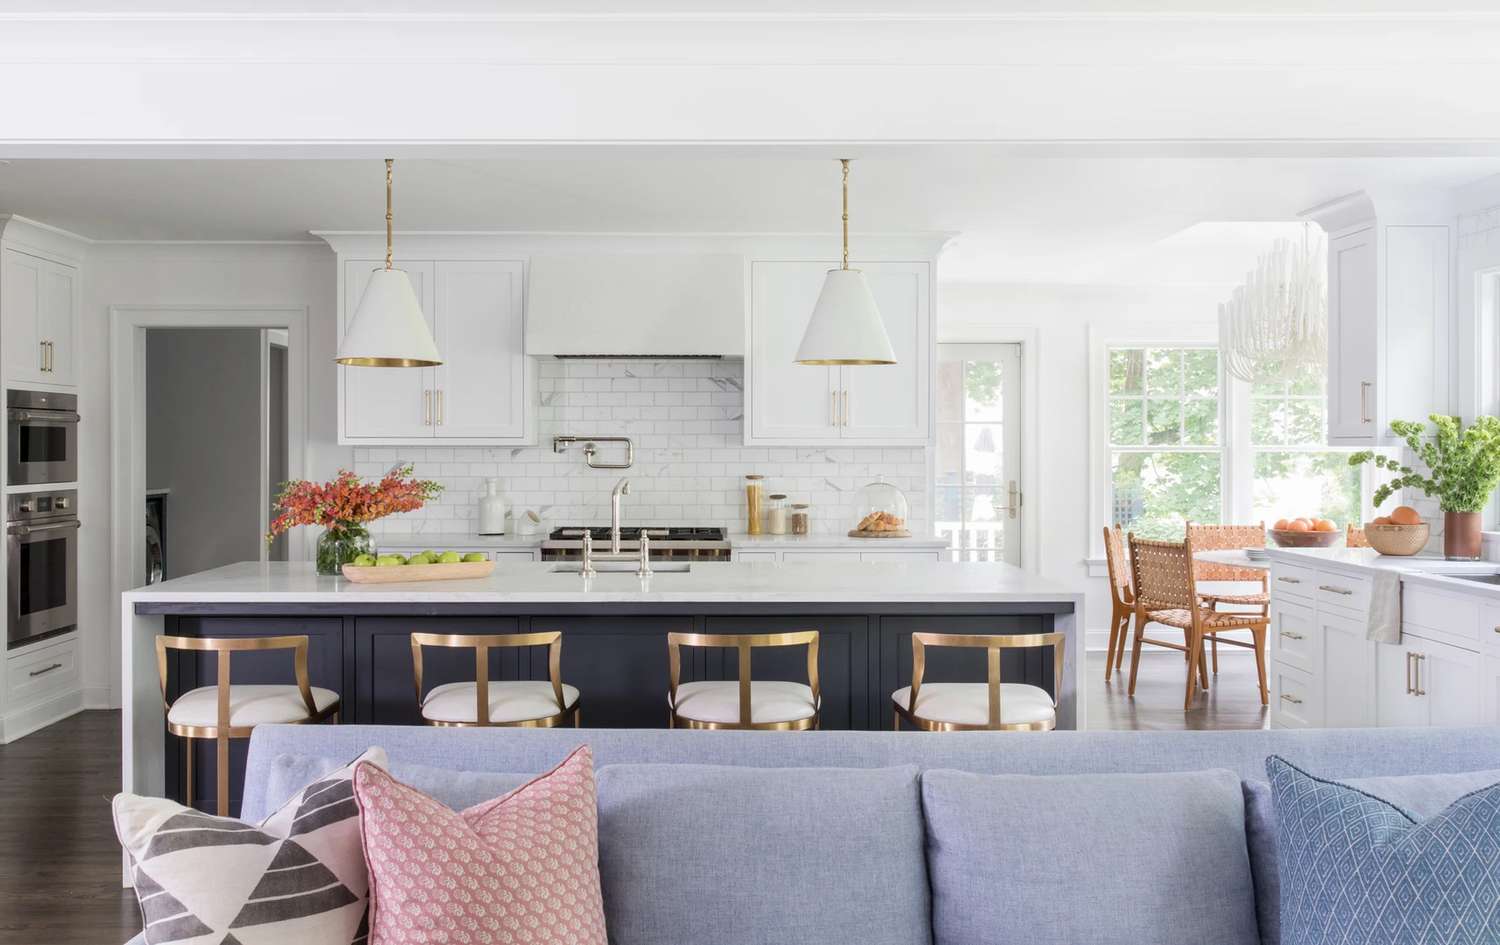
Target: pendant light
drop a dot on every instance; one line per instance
(388, 329)
(845, 327)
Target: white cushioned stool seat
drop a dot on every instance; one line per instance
(969, 703)
(248, 705)
(513, 701)
(719, 701)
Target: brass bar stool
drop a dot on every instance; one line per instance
(988, 706)
(768, 705)
(224, 711)
(521, 703)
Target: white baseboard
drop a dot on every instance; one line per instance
(97, 697)
(23, 722)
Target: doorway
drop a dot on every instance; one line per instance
(977, 464)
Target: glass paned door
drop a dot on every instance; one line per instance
(978, 458)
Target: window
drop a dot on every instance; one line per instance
(976, 462)
(1293, 471)
(1165, 452)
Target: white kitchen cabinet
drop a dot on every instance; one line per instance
(818, 557)
(1296, 697)
(1293, 637)
(39, 314)
(1489, 685)
(1348, 670)
(482, 393)
(1389, 314)
(1424, 682)
(788, 402)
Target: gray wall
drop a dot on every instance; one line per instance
(203, 443)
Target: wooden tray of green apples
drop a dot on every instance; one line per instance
(423, 566)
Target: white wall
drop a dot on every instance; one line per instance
(686, 419)
(1062, 315)
(203, 411)
(184, 274)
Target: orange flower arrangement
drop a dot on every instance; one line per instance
(346, 500)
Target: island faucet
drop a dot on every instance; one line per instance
(622, 488)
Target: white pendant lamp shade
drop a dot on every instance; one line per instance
(845, 327)
(388, 328)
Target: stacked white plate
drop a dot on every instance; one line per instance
(1256, 554)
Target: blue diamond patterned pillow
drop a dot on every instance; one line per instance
(1356, 870)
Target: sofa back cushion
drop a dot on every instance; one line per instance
(744, 856)
(1104, 859)
(1422, 795)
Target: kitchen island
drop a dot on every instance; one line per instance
(614, 629)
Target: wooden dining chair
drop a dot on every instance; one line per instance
(1229, 538)
(224, 711)
(1121, 598)
(1354, 537)
(988, 706)
(743, 703)
(1167, 594)
(513, 703)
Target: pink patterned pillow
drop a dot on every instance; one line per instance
(523, 867)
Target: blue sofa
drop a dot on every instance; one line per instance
(878, 837)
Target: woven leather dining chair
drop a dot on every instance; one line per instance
(1229, 538)
(1121, 598)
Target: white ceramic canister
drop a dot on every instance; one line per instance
(492, 509)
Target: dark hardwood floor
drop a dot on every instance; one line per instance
(60, 862)
(1232, 702)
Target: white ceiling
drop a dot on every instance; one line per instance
(1019, 218)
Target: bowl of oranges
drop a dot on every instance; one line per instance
(1401, 533)
(1304, 533)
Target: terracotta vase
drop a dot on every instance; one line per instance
(1462, 540)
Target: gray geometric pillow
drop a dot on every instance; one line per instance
(297, 877)
(1357, 870)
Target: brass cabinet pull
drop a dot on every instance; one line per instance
(1416, 688)
(1292, 636)
(440, 407)
(1409, 655)
(42, 349)
(1336, 590)
(1364, 401)
(1288, 580)
(1287, 697)
(846, 407)
(45, 670)
(426, 408)
(833, 407)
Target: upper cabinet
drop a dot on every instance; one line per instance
(484, 391)
(1390, 311)
(39, 306)
(790, 403)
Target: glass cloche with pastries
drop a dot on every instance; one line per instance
(882, 510)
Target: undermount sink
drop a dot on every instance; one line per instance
(1477, 578)
(616, 567)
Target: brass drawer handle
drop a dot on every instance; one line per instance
(1417, 689)
(45, 670)
(1292, 636)
(1287, 697)
(1336, 590)
(1288, 580)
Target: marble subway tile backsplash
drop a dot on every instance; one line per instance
(686, 419)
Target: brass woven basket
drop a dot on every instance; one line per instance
(1398, 540)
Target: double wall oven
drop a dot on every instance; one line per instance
(41, 527)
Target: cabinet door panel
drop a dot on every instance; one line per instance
(482, 379)
(21, 302)
(789, 401)
(890, 401)
(1348, 673)
(386, 402)
(1450, 677)
(1352, 338)
(55, 321)
(1489, 697)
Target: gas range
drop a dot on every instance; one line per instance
(667, 542)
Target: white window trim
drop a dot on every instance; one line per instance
(1234, 425)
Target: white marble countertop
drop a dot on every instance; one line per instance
(788, 542)
(1429, 570)
(536, 582)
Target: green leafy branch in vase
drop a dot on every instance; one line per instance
(1463, 464)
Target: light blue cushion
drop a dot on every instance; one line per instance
(1118, 859)
(287, 774)
(694, 854)
(1423, 795)
(1359, 870)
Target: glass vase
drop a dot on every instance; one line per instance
(340, 544)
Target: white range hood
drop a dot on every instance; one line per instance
(636, 306)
